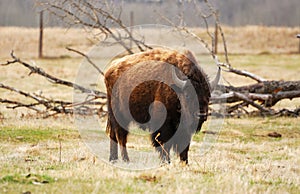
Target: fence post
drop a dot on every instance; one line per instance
(41, 36)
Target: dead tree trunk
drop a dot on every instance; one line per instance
(267, 92)
(262, 96)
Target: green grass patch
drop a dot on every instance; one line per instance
(245, 149)
(198, 137)
(27, 179)
(34, 135)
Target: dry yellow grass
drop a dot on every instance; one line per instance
(244, 160)
(24, 41)
(256, 39)
(249, 40)
(262, 39)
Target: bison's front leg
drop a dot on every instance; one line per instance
(184, 155)
(164, 154)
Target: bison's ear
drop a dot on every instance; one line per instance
(215, 82)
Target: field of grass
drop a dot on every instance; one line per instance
(240, 40)
(48, 155)
(245, 159)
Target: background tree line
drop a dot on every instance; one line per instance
(232, 12)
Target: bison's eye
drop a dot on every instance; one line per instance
(178, 107)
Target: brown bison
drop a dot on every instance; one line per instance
(162, 90)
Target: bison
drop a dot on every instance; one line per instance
(164, 91)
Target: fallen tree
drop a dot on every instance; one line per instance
(262, 96)
(45, 106)
(102, 17)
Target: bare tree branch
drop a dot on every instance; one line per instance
(242, 72)
(87, 58)
(53, 107)
(20, 104)
(217, 20)
(249, 101)
(103, 18)
(52, 78)
(50, 107)
(95, 15)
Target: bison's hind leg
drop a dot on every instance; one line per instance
(113, 145)
(117, 135)
(122, 140)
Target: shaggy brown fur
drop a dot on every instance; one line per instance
(151, 66)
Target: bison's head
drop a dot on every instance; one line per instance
(194, 92)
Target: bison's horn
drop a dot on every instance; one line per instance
(215, 82)
(178, 82)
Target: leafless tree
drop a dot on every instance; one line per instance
(97, 17)
(103, 19)
(263, 95)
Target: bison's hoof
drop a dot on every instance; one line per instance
(183, 163)
(113, 159)
(164, 162)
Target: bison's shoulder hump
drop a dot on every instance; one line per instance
(184, 60)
